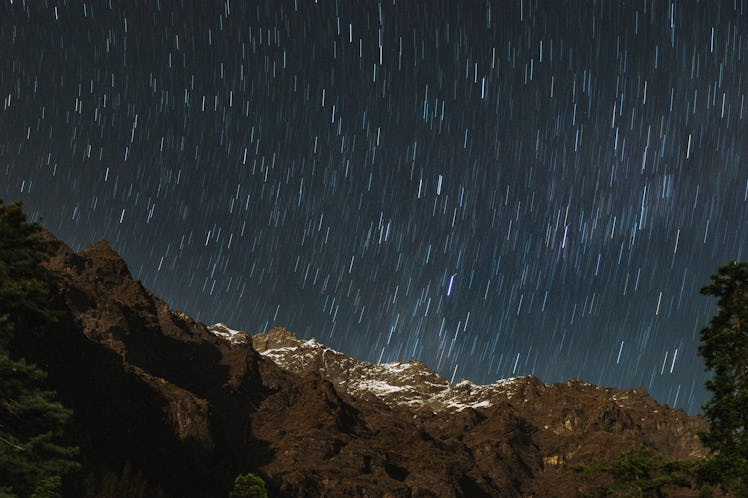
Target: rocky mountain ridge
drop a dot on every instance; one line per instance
(191, 407)
(410, 384)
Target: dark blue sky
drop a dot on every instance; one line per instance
(494, 188)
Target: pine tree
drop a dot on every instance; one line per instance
(248, 486)
(33, 458)
(123, 483)
(24, 291)
(724, 347)
(639, 472)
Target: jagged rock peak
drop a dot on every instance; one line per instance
(233, 336)
(104, 260)
(408, 384)
(101, 249)
(277, 337)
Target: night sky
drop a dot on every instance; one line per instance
(495, 188)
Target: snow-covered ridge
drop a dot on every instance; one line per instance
(233, 336)
(400, 383)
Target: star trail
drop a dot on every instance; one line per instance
(494, 188)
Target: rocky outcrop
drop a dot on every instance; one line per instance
(191, 407)
(520, 433)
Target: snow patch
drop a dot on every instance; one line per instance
(224, 332)
(278, 352)
(379, 387)
(397, 367)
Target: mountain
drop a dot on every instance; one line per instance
(189, 407)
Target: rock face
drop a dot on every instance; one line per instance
(191, 407)
(149, 386)
(516, 435)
